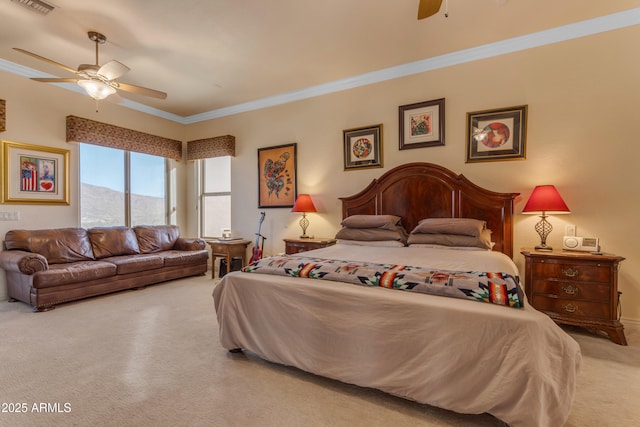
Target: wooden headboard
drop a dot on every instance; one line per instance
(415, 191)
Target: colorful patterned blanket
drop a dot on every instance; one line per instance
(495, 288)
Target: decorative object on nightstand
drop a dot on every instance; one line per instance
(545, 199)
(293, 246)
(304, 204)
(576, 288)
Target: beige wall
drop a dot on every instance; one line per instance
(581, 137)
(582, 96)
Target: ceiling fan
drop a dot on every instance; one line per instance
(98, 81)
(428, 8)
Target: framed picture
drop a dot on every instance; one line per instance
(277, 176)
(363, 147)
(422, 124)
(33, 174)
(497, 134)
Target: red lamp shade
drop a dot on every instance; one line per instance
(545, 198)
(303, 204)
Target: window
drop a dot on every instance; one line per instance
(121, 188)
(215, 196)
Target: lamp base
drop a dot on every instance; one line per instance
(543, 248)
(304, 223)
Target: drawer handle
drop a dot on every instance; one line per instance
(570, 272)
(570, 290)
(569, 307)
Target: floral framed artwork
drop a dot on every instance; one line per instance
(277, 176)
(497, 134)
(363, 147)
(422, 124)
(34, 174)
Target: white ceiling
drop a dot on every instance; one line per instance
(213, 57)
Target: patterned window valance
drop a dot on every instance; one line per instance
(3, 112)
(97, 133)
(211, 147)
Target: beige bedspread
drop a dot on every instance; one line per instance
(465, 356)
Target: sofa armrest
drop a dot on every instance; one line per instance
(186, 244)
(23, 261)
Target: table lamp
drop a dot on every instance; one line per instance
(304, 204)
(545, 199)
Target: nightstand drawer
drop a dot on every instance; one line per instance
(294, 246)
(571, 308)
(586, 272)
(573, 290)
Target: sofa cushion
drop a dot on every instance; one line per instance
(172, 258)
(82, 271)
(60, 245)
(113, 241)
(156, 238)
(136, 263)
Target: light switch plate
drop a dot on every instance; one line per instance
(9, 216)
(570, 230)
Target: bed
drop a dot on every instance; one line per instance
(461, 355)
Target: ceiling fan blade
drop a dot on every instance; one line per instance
(428, 8)
(142, 90)
(113, 69)
(54, 80)
(42, 58)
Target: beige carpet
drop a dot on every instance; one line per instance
(152, 357)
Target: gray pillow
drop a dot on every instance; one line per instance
(482, 241)
(460, 226)
(372, 234)
(387, 222)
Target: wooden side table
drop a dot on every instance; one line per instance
(227, 249)
(576, 288)
(293, 246)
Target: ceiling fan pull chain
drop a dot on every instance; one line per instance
(446, 8)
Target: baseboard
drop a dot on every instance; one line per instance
(634, 322)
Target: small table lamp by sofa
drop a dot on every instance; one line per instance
(304, 204)
(545, 199)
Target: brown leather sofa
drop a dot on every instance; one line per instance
(47, 267)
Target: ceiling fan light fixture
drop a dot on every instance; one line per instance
(96, 89)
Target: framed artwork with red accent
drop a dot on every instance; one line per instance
(497, 134)
(34, 174)
(363, 147)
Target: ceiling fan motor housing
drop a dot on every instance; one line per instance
(97, 37)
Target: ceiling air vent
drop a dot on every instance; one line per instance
(36, 5)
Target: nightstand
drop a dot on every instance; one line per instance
(293, 246)
(228, 249)
(576, 288)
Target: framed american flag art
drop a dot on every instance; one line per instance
(34, 174)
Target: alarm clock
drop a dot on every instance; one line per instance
(585, 244)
